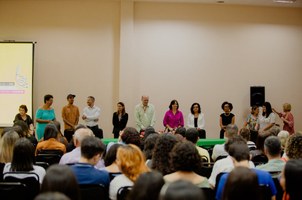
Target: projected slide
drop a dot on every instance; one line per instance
(16, 69)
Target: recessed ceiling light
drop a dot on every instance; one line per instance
(285, 1)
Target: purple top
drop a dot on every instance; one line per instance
(174, 121)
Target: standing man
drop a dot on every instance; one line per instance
(70, 115)
(91, 115)
(144, 114)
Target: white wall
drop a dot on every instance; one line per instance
(191, 52)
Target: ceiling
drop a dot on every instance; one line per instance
(296, 4)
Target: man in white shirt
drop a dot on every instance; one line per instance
(218, 150)
(91, 115)
(144, 114)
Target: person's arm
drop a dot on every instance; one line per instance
(94, 116)
(77, 117)
(190, 123)
(124, 120)
(64, 118)
(233, 119)
(202, 121)
(220, 123)
(166, 122)
(181, 120)
(153, 117)
(288, 119)
(137, 119)
(114, 120)
(39, 117)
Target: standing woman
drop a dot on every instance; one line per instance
(119, 119)
(173, 118)
(287, 118)
(226, 118)
(251, 123)
(44, 115)
(267, 119)
(24, 117)
(196, 120)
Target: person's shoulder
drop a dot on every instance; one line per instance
(262, 173)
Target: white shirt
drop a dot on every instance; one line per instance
(118, 182)
(265, 121)
(223, 165)
(91, 113)
(218, 150)
(200, 121)
(40, 171)
(144, 116)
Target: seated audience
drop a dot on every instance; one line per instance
(60, 136)
(131, 163)
(272, 149)
(60, 178)
(218, 150)
(75, 155)
(242, 183)
(185, 162)
(147, 186)
(283, 135)
(50, 140)
(110, 161)
(92, 150)
(180, 133)
(26, 131)
(192, 136)
(160, 158)
(7, 142)
(290, 178)
(51, 196)
(23, 160)
(149, 145)
(180, 190)
(240, 156)
(226, 164)
(245, 134)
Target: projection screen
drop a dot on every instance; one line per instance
(16, 79)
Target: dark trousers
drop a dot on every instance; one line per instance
(222, 133)
(68, 134)
(98, 132)
(202, 134)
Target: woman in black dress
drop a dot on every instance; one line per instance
(119, 119)
(24, 117)
(226, 118)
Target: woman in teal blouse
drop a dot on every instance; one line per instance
(44, 115)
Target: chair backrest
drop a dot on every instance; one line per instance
(206, 169)
(45, 165)
(265, 192)
(14, 190)
(279, 188)
(93, 192)
(218, 177)
(51, 151)
(204, 159)
(208, 193)
(48, 158)
(123, 192)
(29, 179)
(221, 157)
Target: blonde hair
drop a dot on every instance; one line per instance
(283, 135)
(7, 143)
(287, 107)
(131, 161)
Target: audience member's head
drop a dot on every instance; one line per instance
(180, 190)
(239, 153)
(163, 147)
(237, 139)
(260, 140)
(50, 131)
(291, 177)
(7, 143)
(149, 130)
(149, 145)
(23, 155)
(294, 146)
(245, 134)
(272, 147)
(51, 196)
(92, 149)
(181, 131)
(80, 134)
(24, 128)
(192, 135)
(110, 156)
(57, 124)
(231, 130)
(242, 183)
(60, 178)
(131, 136)
(147, 186)
(131, 161)
(185, 157)
(283, 135)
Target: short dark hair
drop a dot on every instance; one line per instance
(23, 155)
(231, 130)
(185, 157)
(237, 139)
(199, 109)
(50, 131)
(273, 145)
(245, 133)
(192, 135)
(172, 103)
(91, 97)
(230, 105)
(47, 97)
(240, 152)
(23, 107)
(181, 131)
(91, 146)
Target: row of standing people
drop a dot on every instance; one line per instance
(145, 116)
